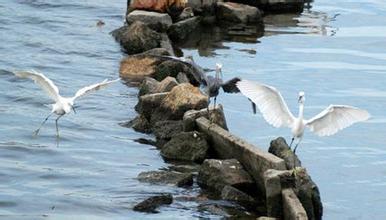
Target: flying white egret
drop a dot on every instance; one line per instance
(62, 105)
(275, 112)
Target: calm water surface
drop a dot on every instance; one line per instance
(334, 51)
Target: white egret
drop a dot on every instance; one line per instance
(62, 105)
(275, 111)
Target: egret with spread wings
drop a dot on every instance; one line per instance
(62, 105)
(275, 111)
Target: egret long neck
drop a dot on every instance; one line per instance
(301, 110)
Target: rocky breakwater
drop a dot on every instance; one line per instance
(236, 179)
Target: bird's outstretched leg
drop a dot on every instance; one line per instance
(293, 138)
(36, 132)
(300, 139)
(214, 104)
(56, 124)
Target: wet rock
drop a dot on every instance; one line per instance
(226, 210)
(237, 13)
(308, 194)
(137, 38)
(156, 5)
(166, 177)
(186, 146)
(145, 141)
(275, 181)
(156, 21)
(186, 168)
(152, 203)
(167, 129)
(185, 14)
(181, 30)
(180, 99)
(140, 124)
(216, 174)
(232, 194)
(216, 116)
(148, 104)
(280, 148)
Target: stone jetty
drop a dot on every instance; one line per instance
(245, 181)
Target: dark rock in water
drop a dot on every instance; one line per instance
(216, 174)
(137, 38)
(274, 6)
(216, 116)
(237, 13)
(232, 194)
(181, 30)
(308, 194)
(166, 177)
(140, 124)
(147, 104)
(280, 148)
(171, 68)
(226, 210)
(156, 52)
(188, 146)
(167, 129)
(152, 203)
(186, 168)
(145, 141)
(180, 99)
(156, 21)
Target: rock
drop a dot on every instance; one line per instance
(182, 78)
(186, 168)
(173, 68)
(232, 194)
(148, 86)
(167, 84)
(167, 129)
(308, 194)
(266, 218)
(156, 21)
(280, 148)
(166, 177)
(180, 30)
(156, 5)
(152, 203)
(216, 115)
(138, 67)
(166, 43)
(275, 181)
(226, 210)
(275, 6)
(237, 13)
(145, 141)
(147, 104)
(137, 38)
(151, 86)
(156, 52)
(140, 124)
(216, 174)
(185, 14)
(187, 146)
(292, 208)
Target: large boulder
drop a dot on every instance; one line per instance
(152, 203)
(148, 104)
(156, 5)
(138, 67)
(137, 38)
(280, 148)
(216, 174)
(237, 13)
(180, 30)
(167, 129)
(187, 146)
(173, 68)
(150, 85)
(154, 20)
(166, 177)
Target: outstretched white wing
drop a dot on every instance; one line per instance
(335, 118)
(46, 84)
(269, 101)
(88, 89)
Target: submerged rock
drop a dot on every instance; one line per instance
(137, 38)
(188, 146)
(216, 174)
(166, 177)
(237, 13)
(280, 148)
(152, 203)
(154, 20)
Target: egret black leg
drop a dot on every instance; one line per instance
(214, 104)
(56, 124)
(291, 142)
(36, 132)
(300, 139)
